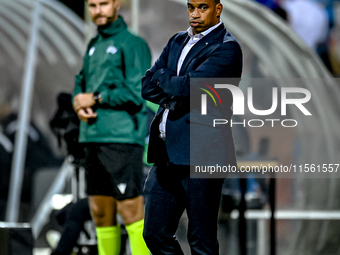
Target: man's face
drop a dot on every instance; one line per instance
(103, 11)
(203, 14)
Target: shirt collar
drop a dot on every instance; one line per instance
(202, 34)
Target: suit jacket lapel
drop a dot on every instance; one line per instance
(199, 46)
(176, 51)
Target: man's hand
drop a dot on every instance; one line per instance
(83, 100)
(85, 114)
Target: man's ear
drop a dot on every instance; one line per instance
(219, 9)
(117, 4)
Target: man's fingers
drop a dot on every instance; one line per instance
(85, 114)
(91, 113)
(82, 115)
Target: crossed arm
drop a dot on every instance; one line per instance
(161, 85)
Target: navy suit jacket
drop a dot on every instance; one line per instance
(216, 55)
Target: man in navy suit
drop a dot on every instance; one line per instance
(205, 50)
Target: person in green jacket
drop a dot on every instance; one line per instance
(107, 99)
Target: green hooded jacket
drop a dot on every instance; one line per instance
(114, 64)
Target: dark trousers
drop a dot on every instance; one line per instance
(168, 191)
(73, 217)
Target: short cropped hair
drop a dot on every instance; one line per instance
(215, 1)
